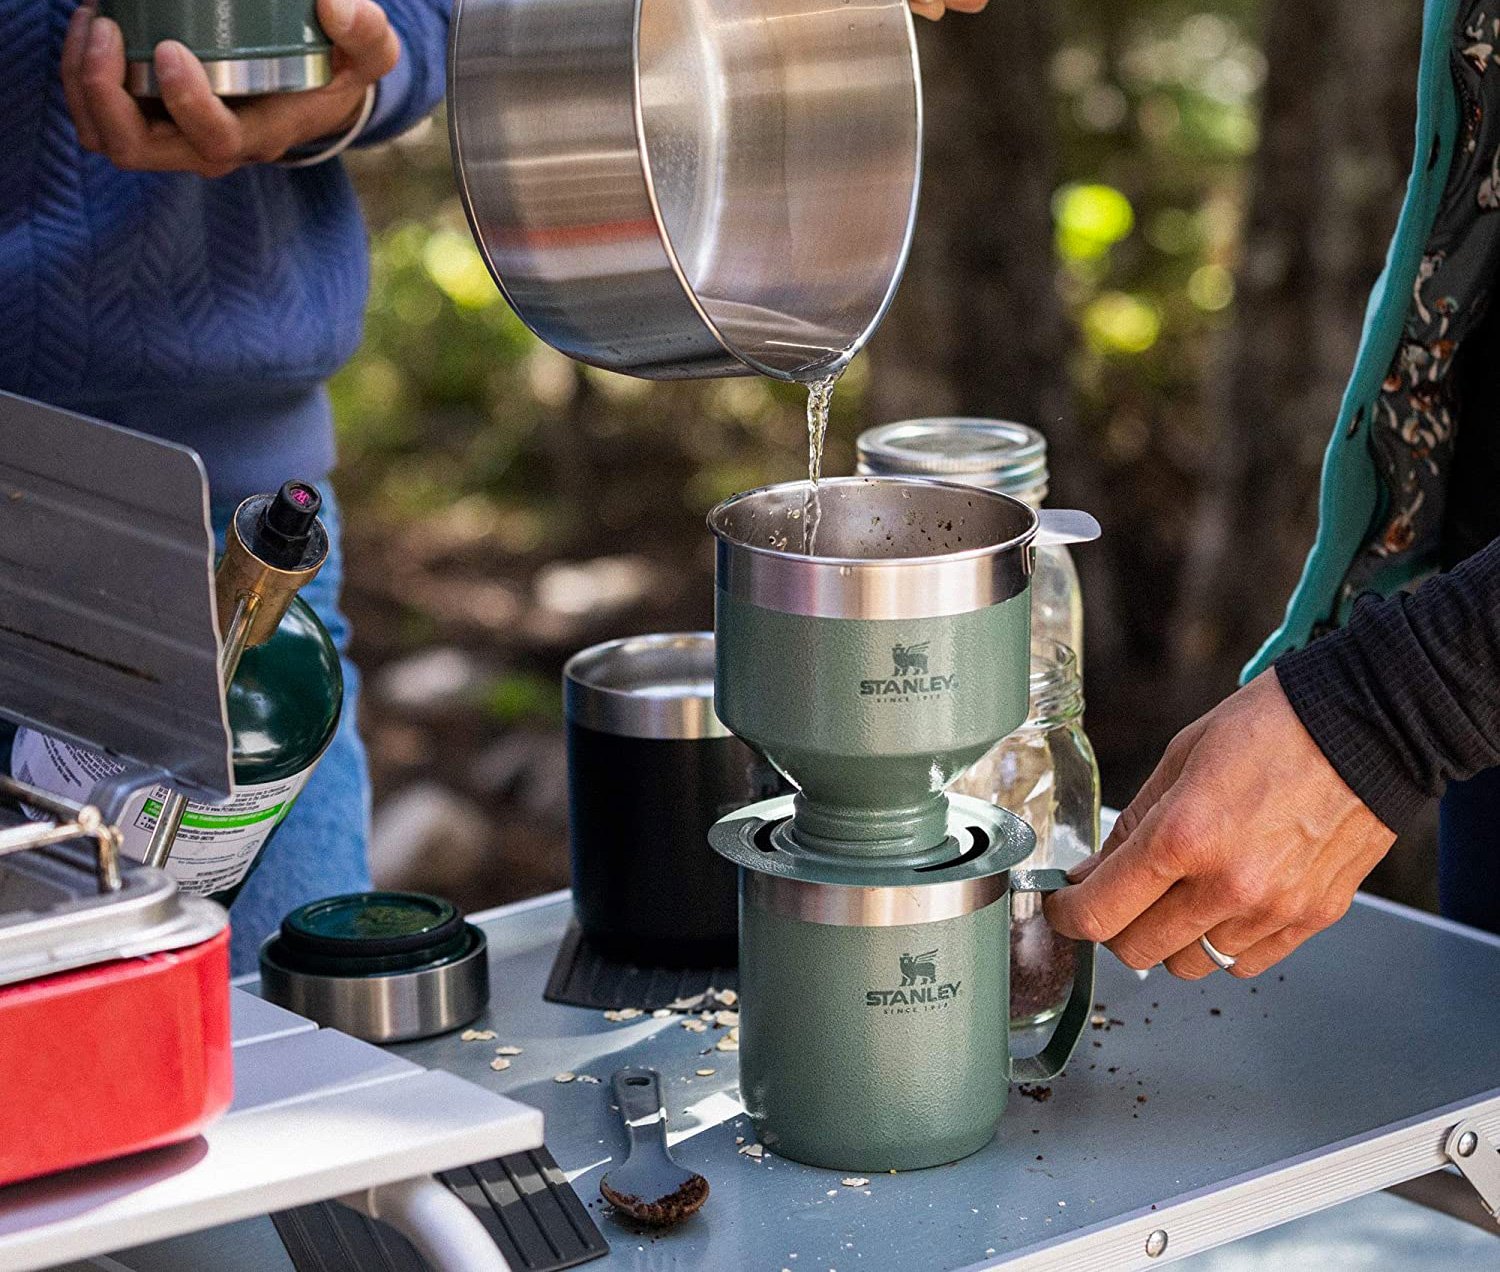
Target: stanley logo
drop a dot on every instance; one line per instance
(909, 678)
(919, 989)
(910, 659)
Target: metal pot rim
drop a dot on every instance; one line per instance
(902, 587)
(840, 360)
(719, 511)
(626, 712)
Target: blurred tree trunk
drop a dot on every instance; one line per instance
(978, 327)
(1336, 142)
(1336, 139)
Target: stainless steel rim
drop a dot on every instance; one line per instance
(838, 905)
(244, 77)
(659, 686)
(908, 587)
(813, 371)
(398, 1007)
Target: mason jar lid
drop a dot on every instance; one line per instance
(997, 454)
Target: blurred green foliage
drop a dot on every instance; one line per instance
(1158, 120)
(524, 698)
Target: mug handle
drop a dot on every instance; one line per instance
(1053, 1058)
(1060, 526)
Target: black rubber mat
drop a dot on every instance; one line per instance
(582, 977)
(524, 1202)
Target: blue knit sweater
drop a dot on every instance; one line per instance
(207, 312)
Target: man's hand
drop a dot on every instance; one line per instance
(934, 9)
(1244, 833)
(205, 134)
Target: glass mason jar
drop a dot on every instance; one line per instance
(998, 455)
(1045, 773)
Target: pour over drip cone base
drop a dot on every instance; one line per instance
(983, 841)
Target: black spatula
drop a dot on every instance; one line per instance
(650, 1187)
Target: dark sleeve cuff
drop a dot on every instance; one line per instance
(1406, 696)
(1322, 684)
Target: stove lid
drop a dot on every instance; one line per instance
(108, 632)
(53, 918)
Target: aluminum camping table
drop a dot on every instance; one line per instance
(1193, 1114)
(316, 1114)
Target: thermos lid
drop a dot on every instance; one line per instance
(997, 454)
(366, 933)
(659, 686)
(382, 966)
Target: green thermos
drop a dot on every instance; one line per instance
(284, 697)
(248, 47)
(874, 908)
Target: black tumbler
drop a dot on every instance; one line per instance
(650, 769)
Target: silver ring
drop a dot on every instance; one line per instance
(1222, 961)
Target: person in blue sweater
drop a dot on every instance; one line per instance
(199, 277)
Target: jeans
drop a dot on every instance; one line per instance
(1469, 851)
(320, 850)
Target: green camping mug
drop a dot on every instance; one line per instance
(248, 47)
(875, 1020)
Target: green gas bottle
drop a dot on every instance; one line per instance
(284, 697)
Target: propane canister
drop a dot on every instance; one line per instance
(284, 704)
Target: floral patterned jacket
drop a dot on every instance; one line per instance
(1385, 474)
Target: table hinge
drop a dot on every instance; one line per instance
(1478, 1158)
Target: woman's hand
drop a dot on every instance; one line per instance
(205, 134)
(1244, 833)
(934, 9)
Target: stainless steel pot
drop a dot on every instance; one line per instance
(688, 188)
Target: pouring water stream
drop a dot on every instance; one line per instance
(819, 400)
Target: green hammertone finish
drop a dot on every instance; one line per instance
(834, 1079)
(872, 766)
(284, 706)
(219, 30)
(835, 1082)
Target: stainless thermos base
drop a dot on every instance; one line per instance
(395, 1007)
(244, 77)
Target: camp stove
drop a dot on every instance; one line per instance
(114, 988)
(874, 909)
